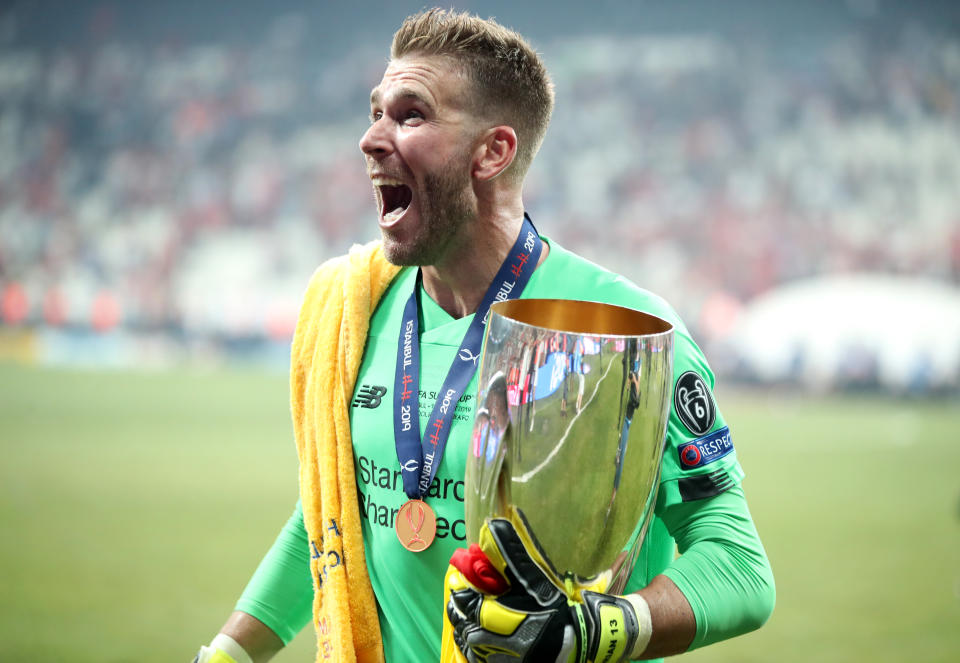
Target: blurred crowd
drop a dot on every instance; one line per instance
(192, 187)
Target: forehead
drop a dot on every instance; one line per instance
(433, 79)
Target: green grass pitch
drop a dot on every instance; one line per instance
(135, 506)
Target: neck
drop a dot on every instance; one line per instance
(459, 282)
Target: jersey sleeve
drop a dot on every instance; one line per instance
(699, 460)
(280, 593)
(722, 569)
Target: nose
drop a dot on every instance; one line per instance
(375, 142)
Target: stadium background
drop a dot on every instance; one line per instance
(786, 173)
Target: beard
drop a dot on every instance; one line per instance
(445, 207)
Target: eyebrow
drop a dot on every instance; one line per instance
(403, 93)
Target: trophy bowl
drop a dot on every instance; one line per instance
(571, 418)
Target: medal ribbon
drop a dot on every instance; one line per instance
(420, 459)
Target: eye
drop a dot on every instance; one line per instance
(375, 115)
(412, 116)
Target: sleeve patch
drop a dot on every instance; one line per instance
(704, 486)
(704, 450)
(694, 404)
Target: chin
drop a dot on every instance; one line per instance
(400, 253)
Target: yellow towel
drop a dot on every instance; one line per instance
(325, 357)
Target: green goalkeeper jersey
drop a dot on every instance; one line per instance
(409, 586)
(698, 463)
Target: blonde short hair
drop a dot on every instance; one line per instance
(510, 82)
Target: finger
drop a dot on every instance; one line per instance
(527, 636)
(516, 555)
(464, 605)
(476, 567)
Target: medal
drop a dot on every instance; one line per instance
(416, 523)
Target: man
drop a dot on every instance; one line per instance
(455, 123)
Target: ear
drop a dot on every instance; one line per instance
(494, 153)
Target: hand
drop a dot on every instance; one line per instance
(507, 603)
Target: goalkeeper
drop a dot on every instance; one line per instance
(388, 336)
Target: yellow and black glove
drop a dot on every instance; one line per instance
(505, 602)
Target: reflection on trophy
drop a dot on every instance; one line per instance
(569, 430)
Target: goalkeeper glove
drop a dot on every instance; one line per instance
(527, 613)
(222, 649)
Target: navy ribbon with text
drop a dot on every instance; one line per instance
(420, 459)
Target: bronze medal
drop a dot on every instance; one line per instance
(416, 525)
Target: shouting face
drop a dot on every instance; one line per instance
(419, 152)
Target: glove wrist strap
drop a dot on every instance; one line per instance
(645, 629)
(229, 646)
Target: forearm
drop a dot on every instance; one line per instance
(726, 580)
(256, 638)
(674, 625)
(276, 602)
(722, 573)
(279, 596)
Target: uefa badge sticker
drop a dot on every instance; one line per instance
(694, 403)
(690, 455)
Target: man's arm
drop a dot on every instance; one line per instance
(256, 638)
(278, 600)
(674, 625)
(722, 567)
(722, 572)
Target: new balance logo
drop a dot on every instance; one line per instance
(369, 396)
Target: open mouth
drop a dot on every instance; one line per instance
(395, 199)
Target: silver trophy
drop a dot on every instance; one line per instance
(569, 430)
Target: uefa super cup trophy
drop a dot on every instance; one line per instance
(570, 426)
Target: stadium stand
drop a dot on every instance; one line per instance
(158, 177)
